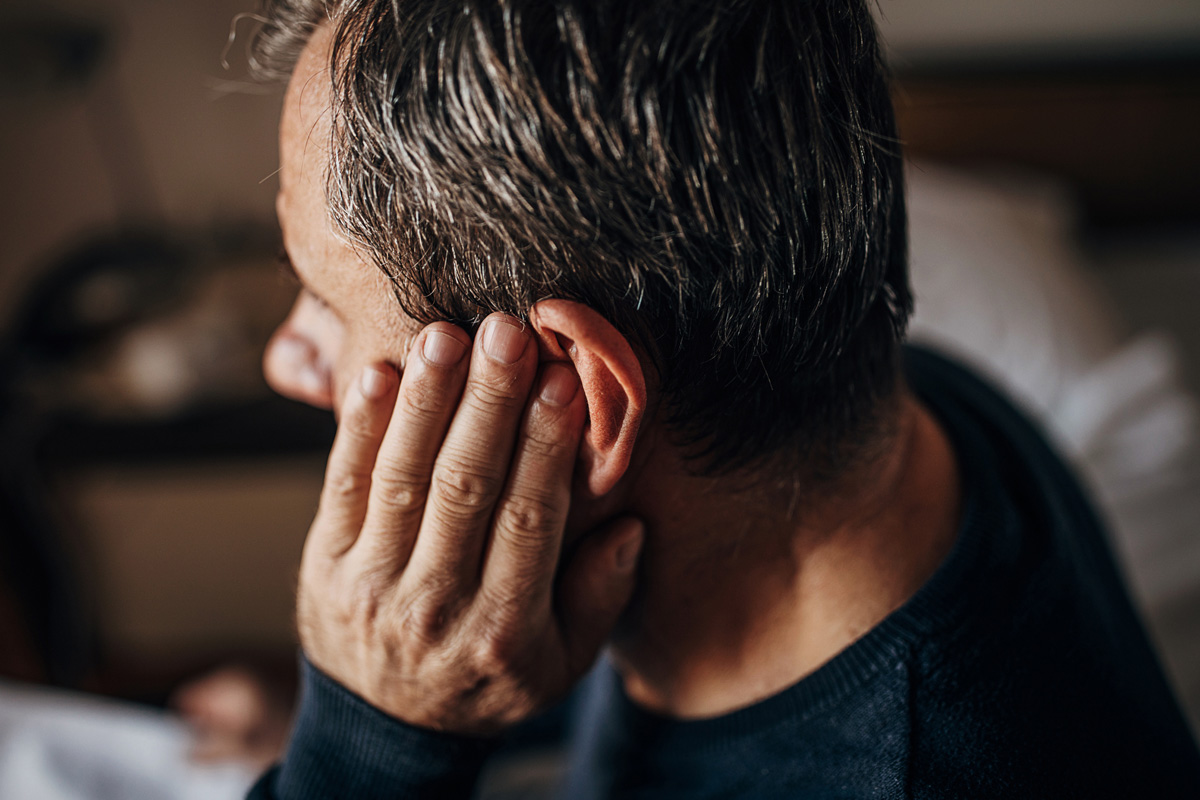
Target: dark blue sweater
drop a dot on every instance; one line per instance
(1019, 670)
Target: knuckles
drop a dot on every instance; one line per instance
(497, 395)
(362, 421)
(345, 485)
(427, 399)
(498, 642)
(548, 442)
(525, 520)
(496, 656)
(362, 603)
(401, 494)
(463, 490)
(426, 620)
(470, 667)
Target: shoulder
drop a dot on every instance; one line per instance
(1047, 684)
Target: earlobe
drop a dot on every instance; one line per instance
(612, 379)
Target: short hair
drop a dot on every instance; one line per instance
(720, 178)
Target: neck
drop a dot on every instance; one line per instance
(743, 594)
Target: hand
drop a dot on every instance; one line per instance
(428, 584)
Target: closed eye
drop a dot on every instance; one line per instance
(288, 270)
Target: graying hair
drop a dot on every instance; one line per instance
(720, 178)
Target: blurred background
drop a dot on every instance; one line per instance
(154, 495)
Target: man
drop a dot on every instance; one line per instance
(684, 426)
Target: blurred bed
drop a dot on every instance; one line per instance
(1002, 283)
(1055, 234)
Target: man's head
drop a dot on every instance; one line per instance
(719, 181)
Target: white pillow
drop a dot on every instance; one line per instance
(1000, 284)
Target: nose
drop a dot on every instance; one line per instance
(294, 368)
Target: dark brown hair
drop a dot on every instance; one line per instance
(720, 178)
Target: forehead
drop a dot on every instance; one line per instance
(356, 289)
(304, 147)
(304, 127)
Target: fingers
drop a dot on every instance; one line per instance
(429, 391)
(470, 470)
(467, 466)
(529, 519)
(344, 495)
(597, 586)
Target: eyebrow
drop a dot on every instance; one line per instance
(287, 268)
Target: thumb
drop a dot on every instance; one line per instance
(596, 587)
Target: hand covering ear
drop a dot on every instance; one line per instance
(612, 379)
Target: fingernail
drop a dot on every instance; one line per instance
(504, 341)
(374, 383)
(442, 349)
(559, 385)
(627, 553)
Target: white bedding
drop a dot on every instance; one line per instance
(67, 746)
(1001, 283)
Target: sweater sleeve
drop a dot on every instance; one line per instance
(343, 747)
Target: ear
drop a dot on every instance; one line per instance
(612, 379)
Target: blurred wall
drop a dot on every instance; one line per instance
(195, 559)
(915, 27)
(159, 102)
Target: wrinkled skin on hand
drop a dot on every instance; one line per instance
(430, 583)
